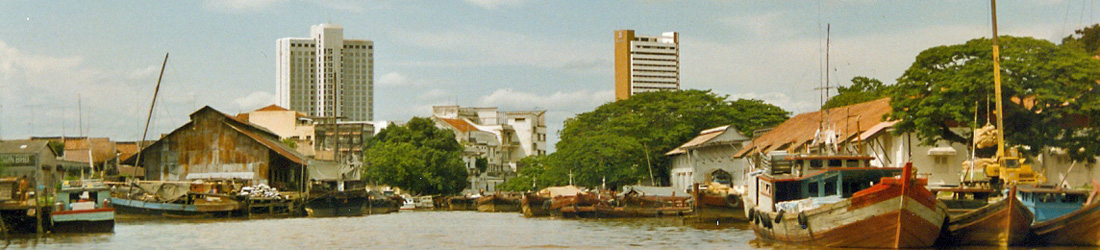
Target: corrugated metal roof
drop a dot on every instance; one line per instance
(278, 147)
(703, 137)
(21, 146)
(799, 131)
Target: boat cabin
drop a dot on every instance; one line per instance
(820, 178)
(81, 195)
(1050, 203)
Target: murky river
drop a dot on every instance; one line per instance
(404, 230)
(407, 230)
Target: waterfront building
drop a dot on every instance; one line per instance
(217, 145)
(495, 139)
(326, 75)
(706, 158)
(858, 128)
(646, 63)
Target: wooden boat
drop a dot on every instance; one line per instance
(168, 198)
(717, 203)
(535, 205)
(578, 205)
(379, 203)
(498, 203)
(83, 209)
(461, 203)
(337, 203)
(783, 204)
(194, 204)
(1063, 217)
(1002, 223)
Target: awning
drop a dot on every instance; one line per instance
(941, 151)
(222, 175)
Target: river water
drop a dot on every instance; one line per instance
(403, 230)
(407, 230)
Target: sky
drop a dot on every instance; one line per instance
(88, 68)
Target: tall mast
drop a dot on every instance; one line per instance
(997, 84)
(141, 144)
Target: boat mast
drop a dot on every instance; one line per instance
(997, 84)
(141, 144)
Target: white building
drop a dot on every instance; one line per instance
(498, 138)
(326, 75)
(646, 63)
(707, 158)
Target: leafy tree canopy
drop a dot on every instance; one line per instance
(1050, 94)
(417, 157)
(1085, 39)
(863, 89)
(623, 140)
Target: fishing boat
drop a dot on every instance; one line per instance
(498, 203)
(82, 207)
(535, 204)
(1002, 223)
(1063, 217)
(840, 201)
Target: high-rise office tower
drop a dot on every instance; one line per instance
(326, 75)
(645, 63)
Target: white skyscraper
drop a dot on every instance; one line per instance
(326, 75)
(646, 63)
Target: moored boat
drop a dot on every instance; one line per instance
(1002, 223)
(1063, 217)
(498, 203)
(83, 208)
(462, 203)
(834, 204)
(172, 199)
(717, 202)
(535, 205)
(580, 204)
(337, 203)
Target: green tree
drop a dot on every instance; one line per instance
(1086, 39)
(290, 142)
(626, 140)
(532, 174)
(417, 157)
(863, 89)
(1050, 94)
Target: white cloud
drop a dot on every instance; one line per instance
(393, 79)
(240, 5)
(255, 100)
(495, 4)
(787, 102)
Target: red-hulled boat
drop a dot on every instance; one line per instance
(833, 204)
(1003, 223)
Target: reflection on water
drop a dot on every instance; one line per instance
(405, 230)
